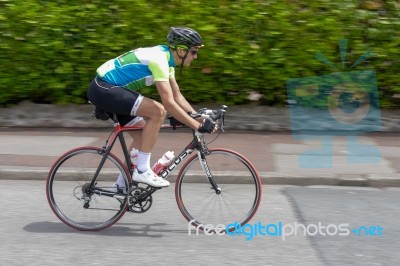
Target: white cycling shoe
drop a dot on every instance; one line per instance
(149, 178)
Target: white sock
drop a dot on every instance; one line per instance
(143, 162)
(120, 181)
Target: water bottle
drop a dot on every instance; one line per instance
(163, 162)
(134, 157)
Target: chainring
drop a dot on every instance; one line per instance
(137, 203)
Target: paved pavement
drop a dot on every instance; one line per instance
(281, 158)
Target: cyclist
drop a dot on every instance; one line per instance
(116, 85)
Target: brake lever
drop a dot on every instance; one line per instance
(222, 122)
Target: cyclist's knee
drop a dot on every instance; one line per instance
(155, 111)
(159, 113)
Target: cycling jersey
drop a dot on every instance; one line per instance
(139, 68)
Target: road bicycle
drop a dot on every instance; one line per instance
(215, 186)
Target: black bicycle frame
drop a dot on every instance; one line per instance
(195, 144)
(107, 149)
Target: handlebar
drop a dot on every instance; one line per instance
(214, 115)
(205, 113)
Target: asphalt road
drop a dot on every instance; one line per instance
(32, 235)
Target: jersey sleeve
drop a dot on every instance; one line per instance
(160, 69)
(171, 72)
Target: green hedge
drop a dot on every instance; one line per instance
(49, 50)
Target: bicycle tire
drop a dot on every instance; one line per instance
(240, 196)
(69, 178)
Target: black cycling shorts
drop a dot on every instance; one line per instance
(114, 99)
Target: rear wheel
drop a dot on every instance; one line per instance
(72, 197)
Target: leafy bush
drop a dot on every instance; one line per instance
(50, 49)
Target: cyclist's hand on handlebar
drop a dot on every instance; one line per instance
(215, 117)
(207, 126)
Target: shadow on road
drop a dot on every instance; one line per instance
(156, 230)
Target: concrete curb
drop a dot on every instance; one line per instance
(332, 181)
(40, 174)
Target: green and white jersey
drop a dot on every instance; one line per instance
(139, 68)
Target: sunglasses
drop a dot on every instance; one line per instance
(194, 52)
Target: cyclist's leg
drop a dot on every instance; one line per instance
(154, 113)
(136, 135)
(122, 101)
(137, 139)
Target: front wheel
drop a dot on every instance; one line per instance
(221, 191)
(76, 200)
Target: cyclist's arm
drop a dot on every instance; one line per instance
(179, 98)
(167, 97)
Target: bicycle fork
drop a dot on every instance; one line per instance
(206, 169)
